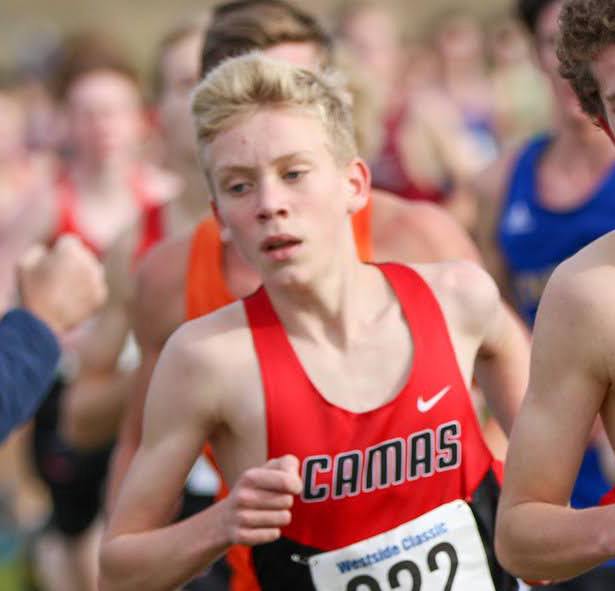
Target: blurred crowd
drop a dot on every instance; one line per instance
(457, 116)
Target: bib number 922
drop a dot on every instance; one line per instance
(409, 570)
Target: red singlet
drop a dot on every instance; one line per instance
(152, 227)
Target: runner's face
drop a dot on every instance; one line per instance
(281, 194)
(104, 116)
(547, 34)
(180, 73)
(604, 71)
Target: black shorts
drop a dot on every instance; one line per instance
(75, 479)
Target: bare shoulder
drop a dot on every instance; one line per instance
(208, 333)
(388, 206)
(205, 339)
(196, 361)
(580, 295)
(418, 231)
(468, 295)
(588, 276)
(159, 306)
(573, 342)
(164, 265)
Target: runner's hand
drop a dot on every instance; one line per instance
(64, 285)
(259, 504)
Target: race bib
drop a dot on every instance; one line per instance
(438, 551)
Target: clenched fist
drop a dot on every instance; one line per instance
(259, 504)
(62, 286)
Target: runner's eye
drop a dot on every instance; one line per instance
(294, 175)
(237, 188)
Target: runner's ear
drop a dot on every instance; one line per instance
(225, 233)
(358, 180)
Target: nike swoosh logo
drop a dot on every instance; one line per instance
(427, 405)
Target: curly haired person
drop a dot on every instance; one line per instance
(573, 362)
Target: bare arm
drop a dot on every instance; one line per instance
(131, 425)
(95, 399)
(490, 341)
(158, 310)
(538, 535)
(417, 232)
(442, 234)
(489, 186)
(106, 356)
(502, 365)
(140, 550)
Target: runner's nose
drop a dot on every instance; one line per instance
(272, 200)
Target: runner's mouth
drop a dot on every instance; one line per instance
(277, 242)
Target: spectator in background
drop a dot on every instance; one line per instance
(539, 206)
(102, 185)
(59, 289)
(24, 176)
(460, 43)
(373, 38)
(36, 61)
(426, 152)
(90, 418)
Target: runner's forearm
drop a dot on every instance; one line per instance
(165, 558)
(540, 541)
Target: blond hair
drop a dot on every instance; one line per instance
(240, 85)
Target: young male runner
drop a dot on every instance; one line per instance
(573, 359)
(342, 383)
(194, 274)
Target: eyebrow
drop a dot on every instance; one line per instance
(226, 169)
